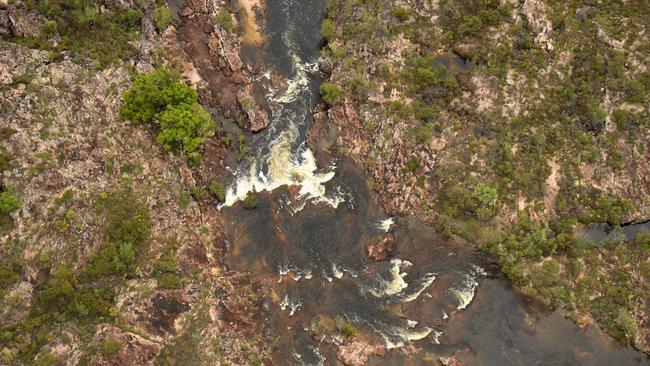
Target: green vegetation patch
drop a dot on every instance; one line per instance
(89, 29)
(161, 99)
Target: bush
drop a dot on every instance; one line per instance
(132, 17)
(218, 191)
(167, 263)
(127, 218)
(413, 164)
(127, 227)
(462, 18)
(485, 194)
(109, 347)
(50, 28)
(424, 133)
(8, 202)
(159, 97)
(93, 303)
(169, 281)
(109, 261)
(328, 30)
(251, 201)
(401, 13)
(224, 19)
(162, 18)
(166, 267)
(59, 290)
(87, 32)
(331, 93)
(8, 277)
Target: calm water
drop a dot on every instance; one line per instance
(436, 297)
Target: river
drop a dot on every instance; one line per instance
(307, 241)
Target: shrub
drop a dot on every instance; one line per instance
(224, 19)
(8, 277)
(401, 13)
(413, 164)
(166, 268)
(485, 194)
(346, 328)
(620, 117)
(167, 263)
(198, 193)
(331, 93)
(110, 260)
(127, 227)
(218, 191)
(86, 32)
(162, 18)
(92, 303)
(169, 281)
(424, 133)
(50, 28)
(462, 18)
(251, 201)
(328, 30)
(127, 218)
(8, 202)
(109, 347)
(132, 17)
(59, 290)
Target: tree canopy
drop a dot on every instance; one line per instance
(160, 98)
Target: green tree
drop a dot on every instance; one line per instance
(152, 93)
(184, 127)
(160, 98)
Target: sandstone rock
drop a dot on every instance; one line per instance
(134, 349)
(210, 60)
(450, 361)
(186, 12)
(383, 249)
(357, 352)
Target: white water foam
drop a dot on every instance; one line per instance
(396, 288)
(385, 225)
(465, 292)
(320, 359)
(294, 272)
(401, 335)
(290, 305)
(284, 166)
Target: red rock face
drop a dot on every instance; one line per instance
(209, 57)
(383, 249)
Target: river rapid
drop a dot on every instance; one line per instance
(307, 241)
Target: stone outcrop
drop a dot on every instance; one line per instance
(357, 353)
(133, 349)
(209, 57)
(382, 249)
